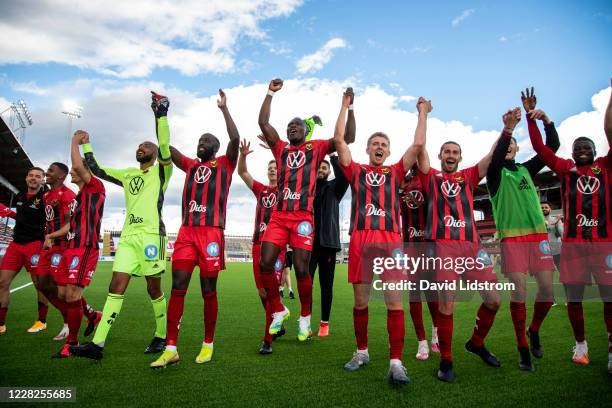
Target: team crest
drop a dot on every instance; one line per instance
(278, 265)
(384, 170)
(34, 260)
(459, 180)
(545, 247)
(596, 169)
(36, 201)
(55, 259)
(213, 163)
(74, 263)
(150, 251)
(484, 257)
(212, 249)
(308, 146)
(304, 228)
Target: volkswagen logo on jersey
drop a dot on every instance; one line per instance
(49, 213)
(212, 249)
(296, 159)
(55, 259)
(545, 247)
(450, 188)
(484, 257)
(73, 206)
(150, 251)
(587, 184)
(202, 174)
(136, 185)
(415, 199)
(269, 201)
(304, 228)
(609, 261)
(74, 263)
(375, 179)
(34, 260)
(278, 265)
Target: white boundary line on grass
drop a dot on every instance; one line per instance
(21, 287)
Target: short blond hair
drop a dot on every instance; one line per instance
(379, 134)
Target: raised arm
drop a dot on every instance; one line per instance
(344, 153)
(535, 164)
(351, 127)
(114, 176)
(232, 130)
(608, 119)
(268, 130)
(341, 184)
(245, 150)
(160, 105)
(177, 157)
(510, 119)
(544, 152)
(418, 144)
(79, 137)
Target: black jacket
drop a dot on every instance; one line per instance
(326, 208)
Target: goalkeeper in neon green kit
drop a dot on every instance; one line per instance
(142, 249)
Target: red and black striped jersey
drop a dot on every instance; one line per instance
(57, 203)
(267, 197)
(86, 215)
(412, 206)
(205, 191)
(297, 168)
(375, 196)
(450, 204)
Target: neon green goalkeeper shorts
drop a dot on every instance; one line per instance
(141, 255)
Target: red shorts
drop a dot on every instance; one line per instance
(528, 253)
(77, 266)
(19, 256)
(463, 260)
(278, 265)
(367, 245)
(295, 228)
(48, 262)
(204, 246)
(582, 259)
(419, 249)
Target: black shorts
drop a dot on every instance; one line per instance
(289, 259)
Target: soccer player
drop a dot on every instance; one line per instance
(375, 219)
(142, 249)
(80, 258)
(554, 227)
(267, 197)
(522, 231)
(412, 209)
(23, 251)
(450, 224)
(587, 239)
(200, 239)
(297, 163)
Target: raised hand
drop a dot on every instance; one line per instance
(222, 101)
(529, 99)
(539, 114)
(511, 118)
(347, 97)
(245, 148)
(81, 136)
(423, 105)
(264, 142)
(275, 85)
(159, 104)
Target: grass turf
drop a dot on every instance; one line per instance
(296, 374)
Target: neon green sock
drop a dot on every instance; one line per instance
(159, 309)
(111, 310)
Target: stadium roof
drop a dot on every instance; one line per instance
(14, 162)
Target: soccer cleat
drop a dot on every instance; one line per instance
(423, 350)
(64, 352)
(2, 329)
(167, 358)
(304, 330)
(323, 330)
(445, 372)
(581, 353)
(87, 350)
(278, 318)
(291, 295)
(482, 352)
(280, 333)
(92, 323)
(38, 326)
(397, 375)
(205, 355)
(435, 344)
(265, 349)
(534, 342)
(359, 359)
(63, 334)
(157, 346)
(525, 363)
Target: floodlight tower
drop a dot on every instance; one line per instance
(20, 118)
(72, 111)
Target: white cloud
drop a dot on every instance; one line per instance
(29, 87)
(131, 38)
(465, 14)
(316, 61)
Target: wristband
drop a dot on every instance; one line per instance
(271, 92)
(350, 107)
(87, 148)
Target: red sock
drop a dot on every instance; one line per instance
(305, 293)
(74, 312)
(3, 312)
(608, 319)
(211, 308)
(43, 309)
(88, 311)
(360, 323)
(397, 330)
(518, 312)
(175, 313)
(433, 311)
(540, 310)
(445, 335)
(484, 320)
(576, 318)
(271, 285)
(416, 313)
(268, 310)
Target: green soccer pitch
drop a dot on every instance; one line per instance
(296, 374)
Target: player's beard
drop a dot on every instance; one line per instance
(205, 155)
(144, 159)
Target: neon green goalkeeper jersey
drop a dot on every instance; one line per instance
(143, 189)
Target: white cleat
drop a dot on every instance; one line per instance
(278, 318)
(423, 350)
(360, 358)
(63, 334)
(581, 353)
(304, 330)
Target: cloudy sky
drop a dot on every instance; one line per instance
(470, 58)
